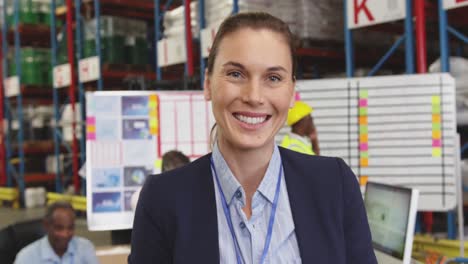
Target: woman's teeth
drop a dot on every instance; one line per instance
(250, 120)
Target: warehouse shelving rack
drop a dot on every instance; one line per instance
(189, 65)
(14, 99)
(406, 38)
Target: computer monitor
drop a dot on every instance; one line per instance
(391, 211)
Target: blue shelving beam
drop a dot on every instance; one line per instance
(19, 101)
(407, 39)
(11, 171)
(57, 115)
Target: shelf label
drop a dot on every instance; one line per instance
(362, 13)
(62, 75)
(89, 69)
(450, 4)
(12, 86)
(207, 36)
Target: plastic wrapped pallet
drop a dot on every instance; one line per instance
(174, 21)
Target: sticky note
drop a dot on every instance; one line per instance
(362, 111)
(153, 113)
(152, 104)
(436, 152)
(363, 120)
(363, 102)
(153, 98)
(364, 162)
(436, 143)
(158, 164)
(363, 94)
(363, 147)
(91, 136)
(362, 130)
(435, 126)
(436, 118)
(153, 130)
(435, 100)
(364, 154)
(363, 180)
(436, 134)
(153, 122)
(363, 138)
(91, 120)
(436, 109)
(90, 128)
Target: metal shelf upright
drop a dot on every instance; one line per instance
(74, 150)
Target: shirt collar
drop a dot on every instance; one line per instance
(230, 185)
(48, 253)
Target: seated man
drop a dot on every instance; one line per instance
(59, 245)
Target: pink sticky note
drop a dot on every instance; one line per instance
(436, 143)
(91, 136)
(362, 102)
(363, 147)
(91, 120)
(297, 96)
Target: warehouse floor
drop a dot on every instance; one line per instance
(10, 216)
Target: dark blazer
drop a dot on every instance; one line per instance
(176, 220)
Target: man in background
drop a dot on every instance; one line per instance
(303, 136)
(60, 245)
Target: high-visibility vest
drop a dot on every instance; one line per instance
(297, 145)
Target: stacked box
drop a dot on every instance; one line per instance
(35, 66)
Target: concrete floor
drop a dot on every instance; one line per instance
(10, 216)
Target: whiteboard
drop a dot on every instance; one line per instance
(127, 132)
(395, 129)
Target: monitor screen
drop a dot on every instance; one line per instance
(388, 211)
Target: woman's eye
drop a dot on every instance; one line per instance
(234, 74)
(274, 78)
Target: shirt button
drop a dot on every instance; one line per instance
(242, 225)
(238, 194)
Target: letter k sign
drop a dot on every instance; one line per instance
(358, 7)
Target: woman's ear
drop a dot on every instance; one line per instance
(207, 86)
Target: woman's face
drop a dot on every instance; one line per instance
(251, 87)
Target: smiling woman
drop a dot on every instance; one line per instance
(249, 200)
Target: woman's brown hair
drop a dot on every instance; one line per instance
(253, 20)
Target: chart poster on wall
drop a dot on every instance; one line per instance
(127, 132)
(394, 129)
(450, 4)
(363, 13)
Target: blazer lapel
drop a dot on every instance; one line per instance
(302, 208)
(204, 244)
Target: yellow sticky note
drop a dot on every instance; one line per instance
(153, 130)
(153, 113)
(363, 180)
(363, 138)
(435, 118)
(435, 100)
(436, 134)
(158, 164)
(363, 120)
(364, 162)
(90, 129)
(153, 122)
(436, 152)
